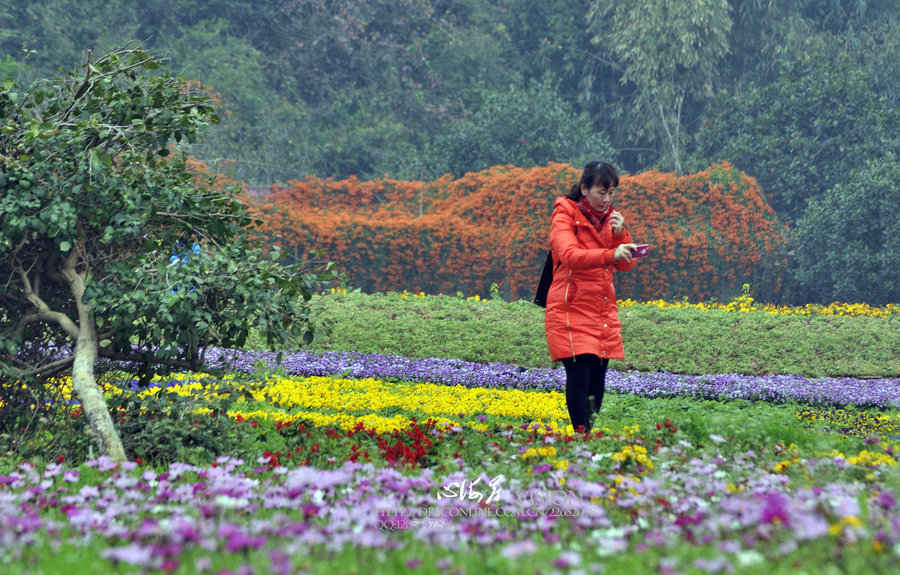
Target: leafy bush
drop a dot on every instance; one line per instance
(523, 127)
(848, 241)
(33, 417)
(711, 231)
(166, 427)
(39, 422)
(800, 135)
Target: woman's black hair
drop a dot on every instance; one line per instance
(595, 173)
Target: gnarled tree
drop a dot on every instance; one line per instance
(112, 246)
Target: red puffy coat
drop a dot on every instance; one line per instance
(582, 315)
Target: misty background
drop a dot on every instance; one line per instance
(802, 95)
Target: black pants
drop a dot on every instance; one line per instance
(585, 384)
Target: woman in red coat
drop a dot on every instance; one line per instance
(589, 243)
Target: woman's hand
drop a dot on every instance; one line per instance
(617, 221)
(623, 252)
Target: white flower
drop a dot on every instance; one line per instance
(749, 557)
(228, 502)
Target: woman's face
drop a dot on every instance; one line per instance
(598, 197)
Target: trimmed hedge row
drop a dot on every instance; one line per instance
(710, 232)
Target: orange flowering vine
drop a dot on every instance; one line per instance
(710, 232)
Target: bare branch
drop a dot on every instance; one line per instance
(90, 79)
(108, 353)
(59, 318)
(9, 368)
(80, 91)
(211, 216)
(50, 369)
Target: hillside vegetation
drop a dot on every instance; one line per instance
(801, 96)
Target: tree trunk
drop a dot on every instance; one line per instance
(87, 348)
(673, 132)
(85, 384)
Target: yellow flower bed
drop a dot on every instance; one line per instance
(341, 402)
(864, 458)
(741, 304)
(427, 399)
(383, 406)
(548, 452)
(744, 304)
(870, 459)
(859, 424)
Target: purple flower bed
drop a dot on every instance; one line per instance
(869, 393)
(151, 520)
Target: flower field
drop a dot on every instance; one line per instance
(360, 463)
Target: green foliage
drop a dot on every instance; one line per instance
(802, 134)
(388, 87)
(804, 138)
(10, 68)
(848, 240)
(405, 71)
(675, 340)
(520, 127)
(373, 83)
(359, 136)
(158, 428)
(33, 418)
(670, 50)
(161, 428)
(108, 232)
(50, 33)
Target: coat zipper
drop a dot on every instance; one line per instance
(568, 325)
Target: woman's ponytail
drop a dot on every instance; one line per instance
(575, 192)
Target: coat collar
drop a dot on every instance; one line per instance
(581, 222)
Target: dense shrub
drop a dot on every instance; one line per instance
(32, 415)
(802, 134)
(164, 427)
(848, 242)
(521, 127)
(711, 232)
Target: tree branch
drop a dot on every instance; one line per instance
(80, 91)
(50, 369)
(57, 317)
(44, 312)
(216, 215)
(108, 353)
